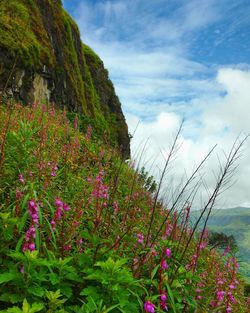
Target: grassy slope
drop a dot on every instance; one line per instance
(96, 249)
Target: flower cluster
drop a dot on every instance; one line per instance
(31, 232)
(60, 207)
(100, 190)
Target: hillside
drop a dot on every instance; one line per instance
(236, 222)
(42, 58)
(80, 231)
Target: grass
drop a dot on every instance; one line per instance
(81, 232)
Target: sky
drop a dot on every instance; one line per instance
(171, 60)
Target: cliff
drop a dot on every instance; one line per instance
(42, 58)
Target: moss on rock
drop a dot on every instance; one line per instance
(40, 38)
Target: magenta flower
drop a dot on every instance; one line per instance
(66, 207)
(53, 224)
(164, 265)
(168, 252)
(21, 178)
(140, 238)
(32, 246)
(220, 295)
(163, 297)
(149, 307)
(58, 202)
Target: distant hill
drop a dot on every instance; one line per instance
(236, 222)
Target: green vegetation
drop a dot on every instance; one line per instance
(43, 38)
(81, 231)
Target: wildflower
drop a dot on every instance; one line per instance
(67, 247)
(163, 297)
(220, 295)
(22, 268)
(140, 238)
(21, 178)
(66, 207)
(213, 304)
(164, 265)
(168, 252)
(32, 246)
(58, 202)
(149, 307)
(53, 224)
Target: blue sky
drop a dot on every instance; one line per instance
(177, 59)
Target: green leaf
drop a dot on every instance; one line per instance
(5, 277)
(54, 279)
(23, 220)
(36, 307)
(26, 306)
(171, 297)
(36, 291)
(154, 271)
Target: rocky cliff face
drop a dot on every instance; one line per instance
(42, 58)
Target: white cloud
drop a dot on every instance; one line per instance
(148, 56)
(221, 122)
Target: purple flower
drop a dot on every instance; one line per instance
(58, 203)
(149, 307)
(220, 295)
(163, 297)
(66, 207)
(140, 238)
(32, 246)
(21, 178)
(164, 265)
(168, 252)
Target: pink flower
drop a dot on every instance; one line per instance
(164, 265)
(53, 174)
(58, 202)
(32, 246)
(220, 295)
(168, 252)
(66, 207)
(53, 224)
(140, 238)
(21, 178)
(149, 307)
(163, 297)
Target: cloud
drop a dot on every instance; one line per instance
(222, 120)
(171, 60)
